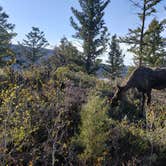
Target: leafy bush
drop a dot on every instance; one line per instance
(94, 129)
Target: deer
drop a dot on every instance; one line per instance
(144, 79)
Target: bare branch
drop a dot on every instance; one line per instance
(136, 4)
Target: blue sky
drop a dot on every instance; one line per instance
(52, 17)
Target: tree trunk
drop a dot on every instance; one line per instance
(142, 34)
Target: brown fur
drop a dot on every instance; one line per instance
(144, 79)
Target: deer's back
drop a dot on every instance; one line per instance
(144, 78)
(141, 78)
(159, 78)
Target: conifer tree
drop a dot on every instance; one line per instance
(69, 52)
(6, 34)
(155, 53)
(115, 58)
(91, 29)
(34, 44)
(135, 37)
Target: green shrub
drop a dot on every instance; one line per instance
(94, 128)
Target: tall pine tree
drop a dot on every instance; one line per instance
(155, 49)
(115, 58)
(91, 29)
(69, 54)
(135, 37)
(6, 34)
(34, 44)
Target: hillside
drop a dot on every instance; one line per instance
(66, 117)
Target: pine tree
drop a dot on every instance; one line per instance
(6, 34)
(155, 53)
(91, 29)
(115, 59)
(136, 37)
(69, 52)
(34, 44)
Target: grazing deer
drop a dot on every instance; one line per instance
(144, 79)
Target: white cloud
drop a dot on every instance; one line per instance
(78, 45)
(128, 60)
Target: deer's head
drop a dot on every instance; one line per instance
(117, 96)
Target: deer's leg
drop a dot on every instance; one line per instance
(143, 105)
(141, 114)
(143, 101)
(149, 97)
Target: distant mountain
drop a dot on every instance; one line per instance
(21, 58)
(103, 71)
(22, 62)
(125, 71)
